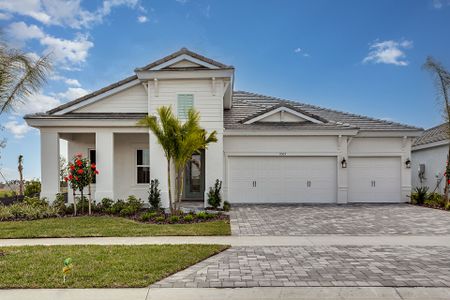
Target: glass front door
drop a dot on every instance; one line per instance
(194, 178)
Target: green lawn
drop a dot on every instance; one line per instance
(105, 226)
(97, 266)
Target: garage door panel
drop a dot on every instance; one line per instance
(374, 179)
(283, 179)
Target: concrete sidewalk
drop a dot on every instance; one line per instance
(311, 240)
(311, 293)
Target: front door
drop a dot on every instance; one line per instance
(194, 178)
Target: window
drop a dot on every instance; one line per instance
(184, 103)
(143, 166)
(92, 158)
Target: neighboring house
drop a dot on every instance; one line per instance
(268, 150)
(429, 155)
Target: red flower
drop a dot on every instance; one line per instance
(79, 163)
(93, 166)
(72, 167)
(96, 171)
(76, 178)
(80, 171)
(66, 179)
(70, 176)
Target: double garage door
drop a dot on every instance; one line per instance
(311, 179)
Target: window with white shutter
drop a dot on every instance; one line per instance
(184, 103)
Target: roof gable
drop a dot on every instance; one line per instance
(283, 113)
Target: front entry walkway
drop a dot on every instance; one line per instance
(350, 219)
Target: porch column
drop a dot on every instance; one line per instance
(214, 161)
(49, 164)
(158, 168)
(104, 146)
(406, 172)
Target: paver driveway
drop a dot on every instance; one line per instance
(353, 219)
(318, 266)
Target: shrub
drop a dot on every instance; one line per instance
(447, 206)
(106, 203)
(174, 219)
(154, 194)
(134, 204)
(202, 215)
(419, 195)
(69, 209)
(214, 197)
(188, 218)
(32, 188)
(23, 211)
(147, 216)
(226, 206)
(5, 213)
(82, 205)
(35, 201)
(160, 219)
(435, 200)
(127, 211)
(60, 204)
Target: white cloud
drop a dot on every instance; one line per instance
(36, 103)
(5, 16)
(68, 81)
(64, 52)
(182, 1)
(388, 52)
(17, 129)
(438, 4)
(65, 12)
(142, 19)
(301, 51)
(72, 93)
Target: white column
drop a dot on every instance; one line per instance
(406, 172)
(342, 173)
(214, 160)
(104, 146)
(158, 168)
(49, 164)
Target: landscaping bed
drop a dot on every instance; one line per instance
(96, 266)
(421, 197)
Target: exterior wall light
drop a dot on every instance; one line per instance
(408, 163)
(343, 163)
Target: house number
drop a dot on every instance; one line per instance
(282, 153)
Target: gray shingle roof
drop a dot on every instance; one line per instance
(432, 135)
(246, 105)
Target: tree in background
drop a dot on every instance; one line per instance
(442, 81)
(20, 169)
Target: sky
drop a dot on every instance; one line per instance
(363, 57)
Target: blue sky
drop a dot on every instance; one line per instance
(363, 57)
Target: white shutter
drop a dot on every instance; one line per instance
(184, 103)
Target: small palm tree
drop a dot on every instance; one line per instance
(20, 169)
(179, 142)
(442, 79)
(20, 76)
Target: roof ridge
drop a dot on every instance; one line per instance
(332, 110)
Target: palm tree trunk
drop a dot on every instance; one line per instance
(74, 203)
(89, 195)
(170, 187)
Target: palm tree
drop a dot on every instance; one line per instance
(20, 169)
(442, 80)
(179, 142)
(20, 76)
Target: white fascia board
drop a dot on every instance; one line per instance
(183, 57)
(98, 97)
(238, 132)
(178, 74)
(390, 133)
(38, 123)
(431, 145)
(285, 109)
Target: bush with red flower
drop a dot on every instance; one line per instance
(81, 173)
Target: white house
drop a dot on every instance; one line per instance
(269, 150)
(429, 155)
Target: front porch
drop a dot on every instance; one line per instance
(127, 161)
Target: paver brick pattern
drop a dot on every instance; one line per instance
(350, 219)
(323, 266)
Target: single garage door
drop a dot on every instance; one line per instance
(374, 179)
(282, 179)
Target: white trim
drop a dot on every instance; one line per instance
(98, 97)
(389, 133)
(89, 123)
(299, 132)
(182, 74)
(430, 145)
(181, 58)
(283, 109)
